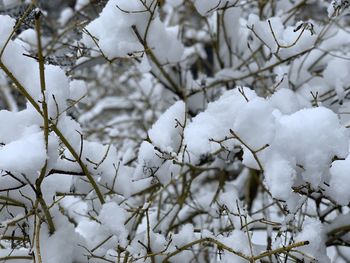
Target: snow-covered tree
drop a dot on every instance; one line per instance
(174, 131)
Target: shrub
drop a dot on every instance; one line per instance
(174, 131)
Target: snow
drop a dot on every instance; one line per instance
(313, 233)
(18, 121)
(176, 3)
(102, 105)
(214, 123)
(91, 232)
(26, 154)
(185, 236)
(56, 183)
(262, 29)
(204, 7)
(285, 41)
(26, 70)
(6, 30)
(166, 132)
(81, 4)
(311, 138)
(339, 181)
(230, 200)
(336, 75)
(113, 217)
(119, 17)
(166, 171)
(134, 171)
(57, 89)
(66, 15)
(77, 89)
(256, 115)
(239, 240)
(308, 138)
(279, 175)
(14, 252)
(71, 131)
(64, 239)
(29, 38)
(145, 66)
(287, 101)
(147, 161)
(337, 7)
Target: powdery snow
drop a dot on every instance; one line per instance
(166, 132)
